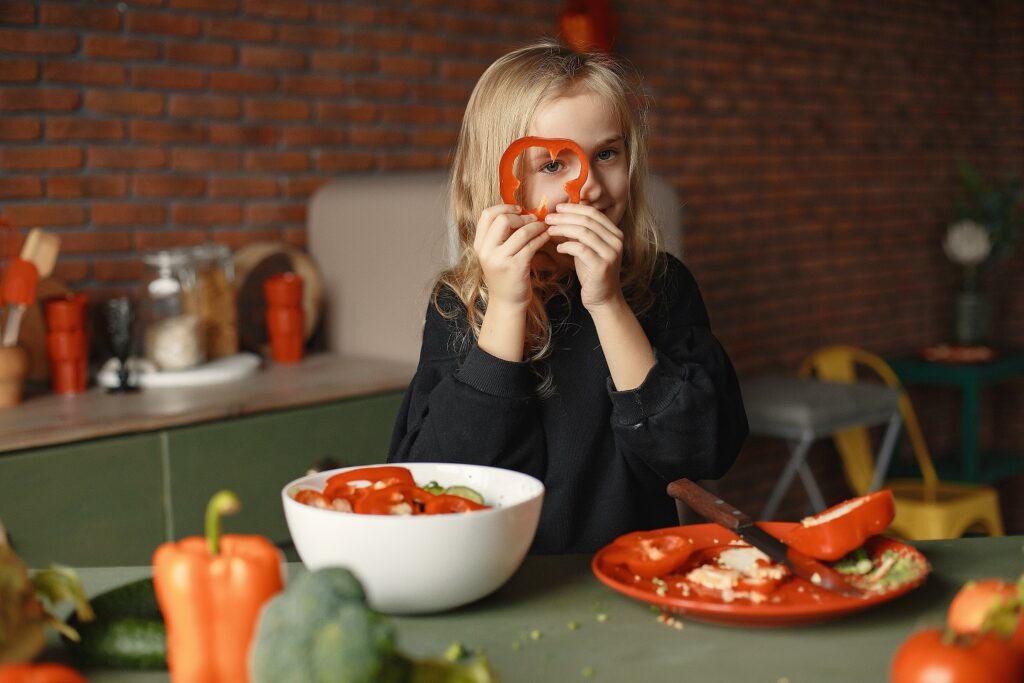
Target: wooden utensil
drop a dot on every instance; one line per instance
(38, 258)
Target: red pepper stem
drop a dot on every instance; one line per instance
(223, 503)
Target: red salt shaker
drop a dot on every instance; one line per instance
(66, 343)
(283, 294)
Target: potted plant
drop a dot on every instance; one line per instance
(987, 219)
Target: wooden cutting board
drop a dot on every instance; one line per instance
(254, 263)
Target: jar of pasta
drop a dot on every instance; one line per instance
(173, 338)
(215, 283)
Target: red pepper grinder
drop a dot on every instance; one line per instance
(283, 294)
(66, 343)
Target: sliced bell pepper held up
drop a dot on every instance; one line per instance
(210, 590)
(842, 528)
(509, 183)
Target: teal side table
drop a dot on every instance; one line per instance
(970, 379)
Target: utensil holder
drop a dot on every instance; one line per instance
(13, 368)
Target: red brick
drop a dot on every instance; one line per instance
(75, 128)
(80, 16)
(236, 239)
(284, 162)
(233, 81)
(367, 136)
(45, 215)
(315, 86)
(168, 186)
(38, 41)
(255, 57)
(303, 186)
(243, 187)
(187, 159)
(69, 271)
(237, 134)
(322, 36)
(117, 270)
(18, 12)
(40, 158)
(461, 71)
(263, 214)
(38, 99)
(165, 132)
(407, 113)
(346, 113)
(407, 161)
(433, 138)
(114, 47)
(278, 9)
(201, 53)
(87, 73)
(124, 102)
(277, 110)
(72, 187)
(379, 89)
(211, 6)
(168, 77)
(336, 162)
(376, 41)
(405, 66)
(313, 135)
(18, 70)
(148, 240)
(245, 30)
(14, 128)
(205, 106)
(20, 188)
(342, 62)
(442, 92)
(181, 25)
(207, 214)
(92, 241)
(127, 213)
(132, 158)
(297, 237)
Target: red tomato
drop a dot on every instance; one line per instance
(344, 485)
(845, 527)
(648, 553)
(444, 504)
(975, 600)
(926, 657)
(396, 499)
(39, 673)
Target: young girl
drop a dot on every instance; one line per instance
(568, 348)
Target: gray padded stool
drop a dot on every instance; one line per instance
(803, 410)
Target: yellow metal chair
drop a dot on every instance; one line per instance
(926, 508)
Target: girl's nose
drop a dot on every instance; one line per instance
(592, 189)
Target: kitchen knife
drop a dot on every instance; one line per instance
(718, 511)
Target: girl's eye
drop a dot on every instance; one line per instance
(552, 166)
(606, 154)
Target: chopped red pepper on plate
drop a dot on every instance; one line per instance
(842, 528)
(510, 183)
(649, 553)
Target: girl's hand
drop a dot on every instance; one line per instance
(505, 243)
(595, 243)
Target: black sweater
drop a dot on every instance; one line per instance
(604, 456)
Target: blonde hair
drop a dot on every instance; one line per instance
(499, 111)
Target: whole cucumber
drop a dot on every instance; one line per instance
(128, 632)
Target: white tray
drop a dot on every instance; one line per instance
(145, 375)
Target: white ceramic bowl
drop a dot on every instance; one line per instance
(423, 563)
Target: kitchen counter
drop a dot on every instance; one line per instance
(55, 419)
(548, 592)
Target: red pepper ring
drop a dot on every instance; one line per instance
(385, 501)
(510, 183)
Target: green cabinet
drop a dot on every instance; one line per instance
(111, 501)
(90, 503)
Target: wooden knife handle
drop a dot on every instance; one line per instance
(708, 504)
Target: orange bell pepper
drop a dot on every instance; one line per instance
(210, 592)
(27, 672)
(509, 183)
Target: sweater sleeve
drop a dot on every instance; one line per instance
(475, 408)
(687, 418)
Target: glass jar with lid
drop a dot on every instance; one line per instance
(215, 297)
(172, 330)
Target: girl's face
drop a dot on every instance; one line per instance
(591, 121)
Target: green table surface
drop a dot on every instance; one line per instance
(631, 645)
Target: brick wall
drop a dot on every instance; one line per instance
(814, 143)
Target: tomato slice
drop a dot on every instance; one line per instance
(443, 504)
(842, 528)
(649, 554)
(396, 499)
(354, 484)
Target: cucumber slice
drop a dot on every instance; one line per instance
(465, 492)
(433, 487)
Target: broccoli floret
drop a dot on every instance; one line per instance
(320, 630)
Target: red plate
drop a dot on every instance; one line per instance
(797, 601)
